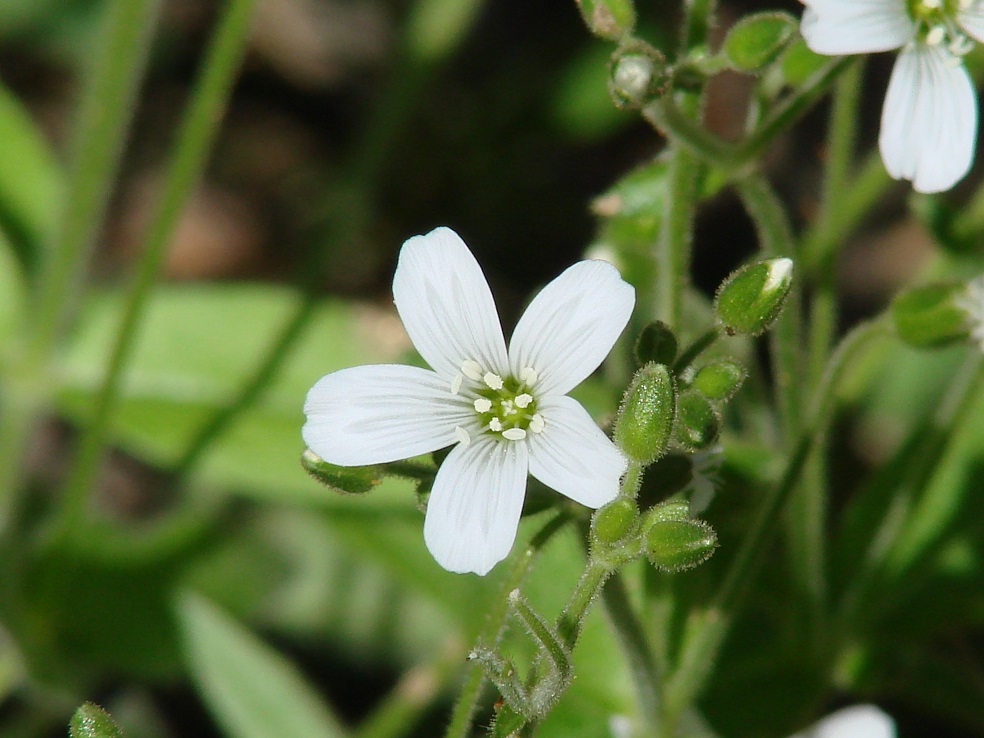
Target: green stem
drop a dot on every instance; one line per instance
(707, 630)
(695, 349)
(674, 242)
(106, 110)
(588, 586)
(198, 131)
(467, 702)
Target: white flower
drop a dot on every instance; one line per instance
(929, 120)
(971, 301)
(859, 721)
(506, 412)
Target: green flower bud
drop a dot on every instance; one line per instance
(656, 343)
(671, 510)
(698, 422)
(352, 480)
(678, 545)
(751, 298)
(614, 521)
(609, 19)
(91, 721)
(719, 380)
(932, 316)
(638, 73)
(645, 419)
(756, 40)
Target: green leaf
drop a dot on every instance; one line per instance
(252, 691)
(31, 182)
(91, 721)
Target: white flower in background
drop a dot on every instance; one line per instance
(859, 721)
(929, 119)
(505, 411)
(706, 468)
(972, 303)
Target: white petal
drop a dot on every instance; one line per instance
(571, 325)
(859, 721)
(855, 26)
(929, 121)
(971, 20)
(474, 507)
(382, 412)
(446, 305)
(573, 456)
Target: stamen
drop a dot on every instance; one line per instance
(507, 407)
(495, 425)
(960, 45)
(514, 434)
(935, 35)
(932, 4)
(952, 62)
(471, 369)
(536, 423)
(482, 405)
(494, 381)
(528, 376)
(523, 400)
(463, 438)
(456, 383)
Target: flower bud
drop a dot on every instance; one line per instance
(698, 422)
(678, 545)
(614, 521)
(932, 316)
(751, 298)
(638, 74)
(656, 343)
(757, 39)
(645, 420)
(671, 510)
(609, 19)
(352, 480)
(91, 721)
(719, 380)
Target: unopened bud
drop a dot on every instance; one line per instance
(645, 420)
(353, 480)
(638, 74)
(932, 316)
(91, 721)
(609, 19)
(719, 380)
(614, 521)
(678, 545)
(656, 343)
(751, 298)
(698, 422)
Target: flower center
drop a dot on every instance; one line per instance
(936, 23)
(505, 406)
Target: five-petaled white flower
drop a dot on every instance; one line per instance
(929, 119)
(507, 413)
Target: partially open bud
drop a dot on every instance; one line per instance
(614, 521)
(751, 298)
(678, 545)
(645, 420)
(757, 39)
(656, 343)
(932, 316)
(698, 422)
(719, 380)
(609, 19)
(638, 74)
(353, 480)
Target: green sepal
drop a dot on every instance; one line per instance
(930, 316)
(609, 19)
(353, 480)
(678, 545)
(644, 424)
(657, 343)
(758, 39)
(799, 63)
(91, 721)
(698, 421)
(751, 298)
(719, 380)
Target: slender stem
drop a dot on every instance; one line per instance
(467, 702)
(674, 242)
(105, 113)
(695, 349)
(708, 629)
(198, 131)
(585, 591)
